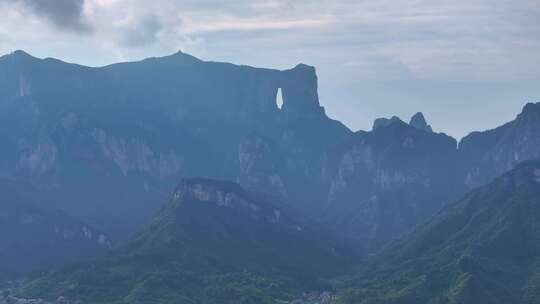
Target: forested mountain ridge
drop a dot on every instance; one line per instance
(480, 249)
(214, 242)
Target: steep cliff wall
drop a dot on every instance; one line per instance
(132, 130)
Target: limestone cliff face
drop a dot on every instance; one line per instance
(260, 165)
(488, 154)
(300, 96)
(24, 86)
(384, 182)
(135, 155)
(225, 195)
(298, 86)
(132, 130)
(419, 121)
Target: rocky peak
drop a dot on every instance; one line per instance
(185, 57)
(20, 53)
(259, 163)
(493, 152)
(299, 89)
(385, 122)
(419, 121)
(19, 56)
(530, 113)
(532, 107)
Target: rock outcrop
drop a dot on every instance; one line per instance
(225, 195)
(385, 122)
(104, 140)
(210, 234)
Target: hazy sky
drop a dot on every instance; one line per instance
(467, 64)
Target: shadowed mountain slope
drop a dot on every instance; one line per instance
(481, 249)
(34, 237)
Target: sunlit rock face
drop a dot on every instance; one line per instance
(384, 182)
(104, 140)
(489, 154)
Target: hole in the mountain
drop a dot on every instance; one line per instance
(279, 98)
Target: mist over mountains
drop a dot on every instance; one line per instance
(273, 199)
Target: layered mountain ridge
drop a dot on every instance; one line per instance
(481, 249)
(386, 181)
(100, 142)
(214, 242)
(134, 129)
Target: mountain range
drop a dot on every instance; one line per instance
(133, 130)
(480, 249)
(34, 236)
(214, 242)
(103, 148)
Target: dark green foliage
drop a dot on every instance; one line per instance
(482, 249)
